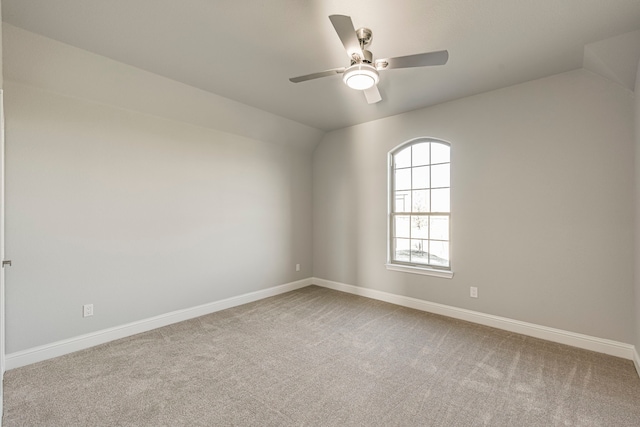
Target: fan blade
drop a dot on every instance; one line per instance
(347, 33)
(372, 94)
(327, 73)
(418, 60)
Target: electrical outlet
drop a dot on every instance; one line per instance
(473, 292)
(297, 267)
(87, 310)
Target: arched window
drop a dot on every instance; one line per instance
(419, 207)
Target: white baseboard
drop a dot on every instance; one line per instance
(59, 348)
(600, 345)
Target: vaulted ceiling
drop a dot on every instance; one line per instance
(247, 50)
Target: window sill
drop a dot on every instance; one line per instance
(419, 270)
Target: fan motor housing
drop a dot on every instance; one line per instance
(368, 58)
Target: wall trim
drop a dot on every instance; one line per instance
(59, 348)
(600, 345)
(636, 360)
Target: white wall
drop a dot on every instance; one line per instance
(542, 204)
(132, 208)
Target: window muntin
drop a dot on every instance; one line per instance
(420, 211)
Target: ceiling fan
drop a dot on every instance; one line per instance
(362, 74)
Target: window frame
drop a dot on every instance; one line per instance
(409, 267)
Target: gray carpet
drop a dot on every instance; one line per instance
(320, 357)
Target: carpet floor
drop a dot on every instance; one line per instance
(317, 357)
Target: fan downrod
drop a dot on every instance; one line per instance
(364, 37)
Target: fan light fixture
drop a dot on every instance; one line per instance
(361, 76)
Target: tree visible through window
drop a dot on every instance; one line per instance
(420, 217)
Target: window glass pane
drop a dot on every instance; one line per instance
(439, 253)
(439, 153)
(403, 158)
(420, 226)
(403, 179)
(421, 190)
(420, 201)
(402, 226)
(440, 176)
(419, 251)
(401, 250)
(439, 227)
(402, 201)
(420, 154)
(440, 200)
(420, 177)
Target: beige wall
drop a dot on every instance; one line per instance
(542, 204)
